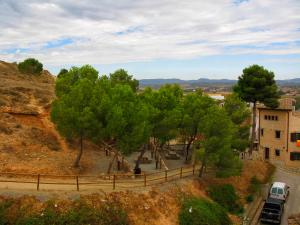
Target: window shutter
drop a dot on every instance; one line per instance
(293, 137)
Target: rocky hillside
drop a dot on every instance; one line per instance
(23, 93)
(29, 141)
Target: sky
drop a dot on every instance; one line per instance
(188, 39)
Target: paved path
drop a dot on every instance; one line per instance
(292, 206)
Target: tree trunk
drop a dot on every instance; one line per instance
(138, 161)
(203, 165)
(253, 129)
(111, 163)
(76, 163)
(188, 148)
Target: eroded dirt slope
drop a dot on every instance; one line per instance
(29, 142)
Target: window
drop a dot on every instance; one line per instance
(274, 190)
(277, 133)
(280, 191)
(295, 137)
(262, 132)
(294, 156)
(277, 152)
(269, 117)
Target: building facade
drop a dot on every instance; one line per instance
(279, 133)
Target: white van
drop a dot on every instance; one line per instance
(279, 190)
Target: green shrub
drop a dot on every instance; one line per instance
(249, 198)
(226, 196)
(108, 214)
(3, 207)
(229, 166)
(62, 72)
(196, 211)
(30, 66)
(255, 185)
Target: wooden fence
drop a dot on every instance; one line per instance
(85, 182)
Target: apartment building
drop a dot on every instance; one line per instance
(279, 133)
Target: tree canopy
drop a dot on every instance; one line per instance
(239, 114)
(257, 84)
(194, 108)
(109, 109)
(62, 72)
(30, 66)
(121, 76)
(72, 111)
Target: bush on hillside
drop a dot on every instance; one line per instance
(249, 198)
(255, 185)
(226, 196)
(80, 213)
(196, 211)
(62, 72)
(30, 66)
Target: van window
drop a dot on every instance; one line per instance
(274, 191)
(280, 191)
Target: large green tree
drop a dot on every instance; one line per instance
(257, 84)
(65, 83)
(127, 120)
(239, 114)
(217, 131)
(121, 76)
(165, 112)
(194, 108)
(72, 110)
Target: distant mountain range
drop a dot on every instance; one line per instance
(207, 82)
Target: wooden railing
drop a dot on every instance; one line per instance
(85, 182)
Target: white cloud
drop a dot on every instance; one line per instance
(126, 31)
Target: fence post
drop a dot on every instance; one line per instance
(166, 175)
(77, 183)
(38, 183)
(194, 169)
(145, 180)
(181, 172)
(114, 182)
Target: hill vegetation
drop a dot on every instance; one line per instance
(109, 109)
(30, 66)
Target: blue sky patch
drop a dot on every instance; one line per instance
(58, 43)
(14, 50)
(129, 31)
(237, 2)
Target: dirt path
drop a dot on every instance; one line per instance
(96, 183)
